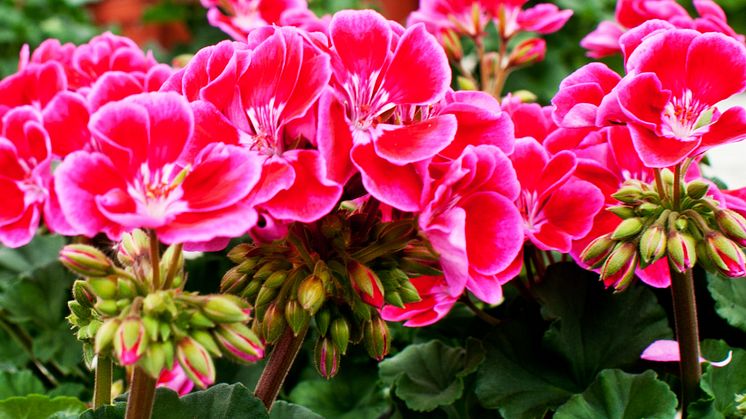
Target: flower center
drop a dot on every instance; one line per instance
(158, 193)
(686, 118)
(366, 100)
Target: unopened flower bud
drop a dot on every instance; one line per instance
(130, 341)
(225, 309)
(393, 298)
(265, 295)
(628, 194)
(323, 319)
(239, 342)
(697, 189)
(732, 224)
(267, 269)
(622, 211)
(104, 288)
(247, 266)
(597, 251)
(207, 341)
(619, 268)
(199, 320)
(156, 358)
(648, 209)
(296, 316)
(725, 254)
(133, 247)
(366, 283)
(627, 229)
(276, 279)
(86, 261)
(107, 307)
(233, 281)
(653, 243)
(172, 260)
(452, 44)
(78, 310)
(83, 294)
(240, 253)
(531, 50)
(466, 83)
(105, 335)
(327, 357)
(682, 250)
(196, 362)
(273, 324)
(409, 293)
(152, 327)
(340, 333)
(376, 338)
(311, 294)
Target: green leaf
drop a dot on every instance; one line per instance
(520, 378)
(283, 410)
(704, 409)
(724, 384)
(37, 406)
(593, 328)
(429, 375)
(19, 383)
(618, 395)
(42, 251)
(730, 299)
(22, 297)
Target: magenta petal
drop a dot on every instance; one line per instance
(572, 207)
(398, 186)
(13, 201)
(361, 39)
(494, 232)
(66, 120)
(121, 131)
(664, 54)
(53, 216)
(277, 175)
(529, 159)
(604, 40)
(423, 140)
(334, 139)
(557, 171)
(632, 39)
(712, 83)
(548, 237)
(171, 125)
(419, 71)
(311, 196)
(657, 275)
(544, 18)
(20, 232)
(730, 127)
(233, 221)
(662, 351)
(642, 99)
(113, 86)
(660, 152)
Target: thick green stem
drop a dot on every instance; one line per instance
(102, 389)
(687, 334)
(280, 361)
(142, 395)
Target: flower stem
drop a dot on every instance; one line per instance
(479, 312)
(687, 334)
(280, 361)
(155, 261)
(659, 184)
(102, 387)
(142, 395)
(677, 186)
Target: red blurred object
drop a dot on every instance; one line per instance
(127, 14)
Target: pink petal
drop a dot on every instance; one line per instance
(20, 232)
(529, 159)
(422, 140)
(664, 54)
(642, 98)
(709, 83)
(603, 41)
(277, 175)
(655, 151)
(730, 127)
(398, 186)
(656, 275)
(479, 121)
(668, 351)
(361, 39)
(13, 207)
(486, 288)
(543, 18)
(171, 125)
(632, 39)
(572, 207)
(232, 221)
(111, 87)
(66, 120)
(547, 237)
(334, 139)
(559, 168)
(54, 218)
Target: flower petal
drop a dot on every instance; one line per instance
(412, 143)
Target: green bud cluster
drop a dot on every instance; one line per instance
(654, 227)
(119, 310)
(332, 276)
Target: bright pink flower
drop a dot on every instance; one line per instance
(370, 121)
(581, 93)
(530, 119)
(670, 93)
(146, 173)
(556, 208)
(712, 19)
(238, 17)
(435, 304)
(604, 40)
(175, 379)
(116, 85)
(668, 351)
(471, 221)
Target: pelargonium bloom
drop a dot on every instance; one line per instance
(370, 120)
(435, 304)
(471, 221)
(238, 17)
(144, 172)
(175, 379)
(670, 94)
(581, 93)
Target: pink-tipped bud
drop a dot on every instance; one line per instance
(529, 51)
(732, 224)
(682, 250)
(597, 251)
(366, 283)
(86, 261)
(225, 309)
(697, 189)
(311, 293)
(239, 342)
(130, 341)
(327, 358)
(725, 255)
(653, 244)
(196, 362)
(133, 247)
(619, 268)
(376, 338)
(175, 379)
(83, 294)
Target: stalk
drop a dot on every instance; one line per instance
(687, 334)
(102, 386)
(142, 395)
(280, 361)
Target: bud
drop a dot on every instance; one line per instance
(323, 319)
(107, 307)
(240, 253)
(265, 296)
(732, 224)
(86, 261)
(311, 293)
(225, 309)
(152, 327)
(133, 246)
(653, 244)
(172, 257)
(196, 362)
(393, 298)
(725, 254)
(619, 268)
(252, 290)
(452, 44)
(296, 316)
(159, 355)
(233, 281)
(273, 324)
(531, 50)
(597, 251)
(682, 250)
(327, 358)
(239, 342)
(648, 209)
(376, 338)
(366, 283)
(83, 294)
(465, 83)
(628, 194)
(340, 333)
(627, 229)
(105, 335)
(622, 211)
(267, 269)
(276, 279)
(104, 288)
(409, 293)
(697, 189)
(199, 320)
(206, 340)
(130, 341)
(78, 310)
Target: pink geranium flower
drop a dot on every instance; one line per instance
(145, 172)
(435, 304)
(471, 221)
(371, 121)
(238, 17)
(670, 94)
(175, 379)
